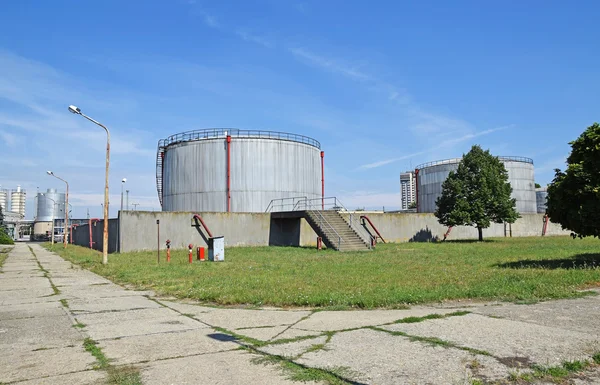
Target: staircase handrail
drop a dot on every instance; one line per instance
(323, 219)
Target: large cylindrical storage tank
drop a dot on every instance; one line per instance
(220, 170)
(430, 177)
(541, 197)
(46, 209)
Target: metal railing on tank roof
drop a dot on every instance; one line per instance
(457, 160)
(212, 133)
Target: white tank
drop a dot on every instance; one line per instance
(17, 201)
(3, 199)
(46, 209)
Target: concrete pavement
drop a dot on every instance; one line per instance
(49, 306)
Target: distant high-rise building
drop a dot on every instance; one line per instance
(408, 188)
(17, 201)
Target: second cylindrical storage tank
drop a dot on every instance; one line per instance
(50, 205)
(431, 176)
(222, 170)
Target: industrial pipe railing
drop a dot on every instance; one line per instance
(213, 133)
(363, 218)
(199, 218)
(94, 220)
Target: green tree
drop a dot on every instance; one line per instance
(574, 195)
(477, 194)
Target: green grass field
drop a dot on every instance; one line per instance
(510, 269)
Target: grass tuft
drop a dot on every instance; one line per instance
(596, 358)
(126, 375)
(92, 347)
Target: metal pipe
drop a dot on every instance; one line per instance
(228, 173)
(373, 226)
(90, 228)
(322, 180)
(158, 241)
(196, 216)
(417, 187)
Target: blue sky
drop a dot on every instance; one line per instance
(383, 85)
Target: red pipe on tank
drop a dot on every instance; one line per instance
(417, 187)
(322, 180)
(228, 173)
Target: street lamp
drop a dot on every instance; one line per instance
(66, 208)
(77, 111)
(122, 183)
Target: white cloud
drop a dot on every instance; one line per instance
(8, 138)
(443, 144)
(329, 64)
(247, 36)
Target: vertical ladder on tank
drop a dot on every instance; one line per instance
(160, 153)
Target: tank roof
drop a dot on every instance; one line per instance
(213, 133)
(457, 160)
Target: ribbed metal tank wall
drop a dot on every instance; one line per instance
(45, 206)
(541, 196)
(520, 176)
(194, 172)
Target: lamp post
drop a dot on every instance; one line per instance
(77, 111)
(53, 210)
(122, 184)
(66, 208)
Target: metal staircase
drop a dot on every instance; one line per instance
(337, 234)
(339, 231)
(160, 154)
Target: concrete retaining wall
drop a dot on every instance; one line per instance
(425, 227)
(139, 230)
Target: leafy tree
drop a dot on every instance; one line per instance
(537, 185)
(412, 205)
(477, 194)
(574, 195)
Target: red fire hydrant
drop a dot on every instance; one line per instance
(191, 249)
(168, 250)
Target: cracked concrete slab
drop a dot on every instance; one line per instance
(88, 377)
(226, 368)
(581, 314)
(372, 357)
(10, 284)
(294, 333)
(504, 338)
(293, 349)
(18, 365)
(262, 333)
(32, 333)
(135, 322)
(44, 309)
(349, 319)
(239, 318)
(82, 306)
(131, 350)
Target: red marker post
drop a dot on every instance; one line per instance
(168, 250)
(191, 249)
